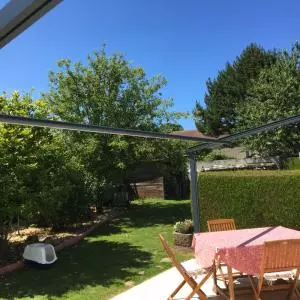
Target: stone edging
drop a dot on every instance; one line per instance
(65, 244)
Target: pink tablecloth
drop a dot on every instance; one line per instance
(240, 249)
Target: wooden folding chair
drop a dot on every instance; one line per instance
(187, 277)
(279, 256)
(221, 225)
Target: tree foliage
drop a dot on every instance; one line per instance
(51, 177)
(273, 96)
(109, 91)
(37, 174)
(229, 89)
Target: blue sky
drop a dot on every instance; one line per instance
(186, 41)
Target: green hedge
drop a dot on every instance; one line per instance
(252, 198)
(292, 163)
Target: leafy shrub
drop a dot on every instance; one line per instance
(292, 163)
(185, 226)
(52, 177)
(252, 198)
(210, 155)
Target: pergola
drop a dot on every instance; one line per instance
(16, 16)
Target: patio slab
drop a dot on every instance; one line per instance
(162, 285)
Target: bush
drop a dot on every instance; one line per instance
(184, 227)
(252, 198)
(292, 163)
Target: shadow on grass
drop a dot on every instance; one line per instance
(95, 263)
(98, 261)
(144, 215)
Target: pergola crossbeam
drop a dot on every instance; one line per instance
(17, 15)
(252, 131)
(25, 121)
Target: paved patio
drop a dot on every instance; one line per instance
(162, 285)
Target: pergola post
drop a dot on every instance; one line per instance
(194, 192)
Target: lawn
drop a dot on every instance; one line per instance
(123, 252)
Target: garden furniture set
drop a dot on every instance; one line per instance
(268, 258)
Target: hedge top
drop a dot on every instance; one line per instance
(252, 173)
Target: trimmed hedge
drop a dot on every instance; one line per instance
(252, 198)
(292, 163)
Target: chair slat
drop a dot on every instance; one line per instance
(221, 225)
(279, 256)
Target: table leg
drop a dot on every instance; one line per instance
(215, 278)
(230, 283)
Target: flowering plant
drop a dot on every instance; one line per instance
(185, 226)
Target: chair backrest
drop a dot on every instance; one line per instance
(221, 225)
(171, 255)
(281, 255)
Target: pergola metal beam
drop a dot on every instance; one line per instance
(248, 132)
(193, 151)
(18, 15)
(25, 121)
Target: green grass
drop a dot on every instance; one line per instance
(99, 266)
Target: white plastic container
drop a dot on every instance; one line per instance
(40, 253)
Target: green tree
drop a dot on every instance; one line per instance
(38, 177)
(109, 91)
(51, 177)
(273, 96)
(229, 89)
(18, 148)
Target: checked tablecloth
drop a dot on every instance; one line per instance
(241, 249)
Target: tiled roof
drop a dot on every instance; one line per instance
(192, 133)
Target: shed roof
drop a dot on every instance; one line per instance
(190, 133)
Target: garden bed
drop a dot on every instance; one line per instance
(115, 256)
(60, 239)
